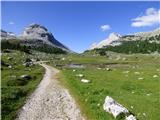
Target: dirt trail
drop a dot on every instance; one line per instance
(50, 101)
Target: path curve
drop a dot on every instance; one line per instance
(50, 101)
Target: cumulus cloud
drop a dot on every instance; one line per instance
(150, 18)
(105, 27)
(11, 23)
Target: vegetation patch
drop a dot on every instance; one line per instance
(16, 87)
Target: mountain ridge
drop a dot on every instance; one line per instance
(36, 35)
(119, 39)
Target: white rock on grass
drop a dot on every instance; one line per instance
(63, 58)
(155, 76)
(85, 81)
(108, 69)
(130, 117)
(80, 75)
(74, 70)
(140, 78)
(113, 107)
(125, 72)
(99, 68)
(137, 73)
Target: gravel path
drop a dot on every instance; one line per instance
(50, 101)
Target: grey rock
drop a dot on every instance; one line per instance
(25, 77)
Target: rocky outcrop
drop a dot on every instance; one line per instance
(110, 40)
(37, 34)
(7, 35)
(116, 39)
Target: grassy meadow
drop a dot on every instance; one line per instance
(132, 80)
(14, 89)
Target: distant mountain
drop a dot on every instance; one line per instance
(115, 39)
(143, 42)
(36, 35)
(7, 35)
(112, 37)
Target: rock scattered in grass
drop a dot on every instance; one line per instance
(74, 70)
(85, 81)
(137, 73)
(80, 75)
(26, 77)
(126, 72)
(148, 94)
(144, 114)
(63, 58)
(155, 76)
(108, 69)
(10, 66)
(130, 117)
(98, 104)
(140, 78)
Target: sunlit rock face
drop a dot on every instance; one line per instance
(109, 41)
(36, 32)
(115, 39)
(7, 35)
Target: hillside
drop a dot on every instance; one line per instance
(34, 37)
(144, 42)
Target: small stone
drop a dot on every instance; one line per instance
(108, 69)
(98, 104)
(144, 114)
(26, 77)
(155, 76)
(131, 107)
(140, 78)
(99, 68)
(10, 66)
(80, 75)
(137, 73)
(85, 81)
(126, 72)
(130, 117)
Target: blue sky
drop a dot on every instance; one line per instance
(79, 24)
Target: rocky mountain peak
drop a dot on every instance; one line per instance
(36, 32)
(114, 36)
(7, 35)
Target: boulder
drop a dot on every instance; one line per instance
(113, 107)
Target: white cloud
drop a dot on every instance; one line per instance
(105, 27)
(151, 17)
(11, 23)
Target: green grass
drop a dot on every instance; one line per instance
(15, 90)
(126, 88)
